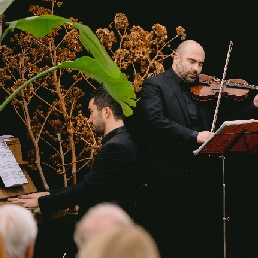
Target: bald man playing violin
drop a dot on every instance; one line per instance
(175, 126)
(174, 120)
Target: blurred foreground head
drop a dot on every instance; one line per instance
(98, 219)
(18, 230)
(126, 242)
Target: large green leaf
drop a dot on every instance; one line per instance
(92, 44)
(119, 88)
(4, 4)
(102, 68)
(39, 26)
(42, 25)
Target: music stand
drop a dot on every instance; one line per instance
(232, 136)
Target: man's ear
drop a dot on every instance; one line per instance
(106, 112)
(176, 58)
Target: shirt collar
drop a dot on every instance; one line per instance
(176, 76)
(111, 134)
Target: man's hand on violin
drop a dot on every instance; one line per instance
(204, 136)
(256, 100)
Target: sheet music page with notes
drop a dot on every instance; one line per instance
(10, 171)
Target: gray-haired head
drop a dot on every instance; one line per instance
(98, 219)
(18, 229)
(117, 242)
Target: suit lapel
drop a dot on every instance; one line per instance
(174, 86)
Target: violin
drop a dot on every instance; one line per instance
(209, 87)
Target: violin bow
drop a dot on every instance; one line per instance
(221, 88)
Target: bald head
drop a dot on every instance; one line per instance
(188, 60)
(186, 45)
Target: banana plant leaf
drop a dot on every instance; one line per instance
(4, 4)
(119, 88)
(101, 68)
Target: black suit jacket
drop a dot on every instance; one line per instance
(168, 126)
(113, 178)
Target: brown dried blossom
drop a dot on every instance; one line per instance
(38, 10)
(138, 53)
(50, 107)
(160, 33)
(121, 21)
(107, 38)
(59, 4)
(181, 32)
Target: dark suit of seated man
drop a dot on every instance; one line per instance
(113, 177)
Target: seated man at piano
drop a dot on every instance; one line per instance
(113, 177)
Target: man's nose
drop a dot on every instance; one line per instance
(195, 67)
(90, 119)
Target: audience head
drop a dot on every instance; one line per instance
(120, 242)
(98, 219)
(18, 230)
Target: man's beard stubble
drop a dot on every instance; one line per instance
(99, 126)
(99, 129)
(184, 74)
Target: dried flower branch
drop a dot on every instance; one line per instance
(138, 53)
(49, 107)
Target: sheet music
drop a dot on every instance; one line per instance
(224, 125)
(10, 171)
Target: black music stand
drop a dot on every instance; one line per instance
(232, 136)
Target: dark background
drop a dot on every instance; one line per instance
(213, 24)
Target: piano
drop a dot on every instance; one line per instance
(14, 191)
